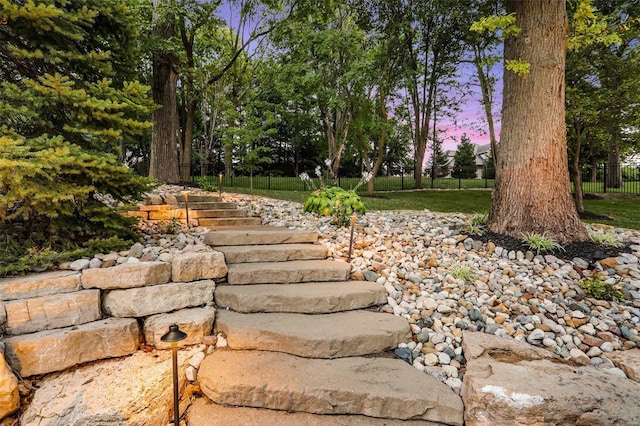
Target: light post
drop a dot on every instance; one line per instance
(353, 226)
(220, 186)
(173, 336)
(186, 205)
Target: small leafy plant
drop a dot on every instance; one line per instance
(333, 200)
(336, 202)
(462, 272)
(541, 243)
(604, 237)
(597, 287)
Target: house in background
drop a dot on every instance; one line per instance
(482, 153)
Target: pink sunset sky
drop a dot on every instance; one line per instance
(471, 120)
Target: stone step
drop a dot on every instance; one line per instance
(295, 271)
(324, 297)
(56, 350)
(333, 335)
(52, 311)
(229, 221)
(273, 253)
(199, 214)
(259, 235)
(209, 205)
(36, 285)
(376, 387)
(199, 198)
(206, 413)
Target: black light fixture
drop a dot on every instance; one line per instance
(173, 336)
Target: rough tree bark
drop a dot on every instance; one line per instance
(164, 153)
(532, 191)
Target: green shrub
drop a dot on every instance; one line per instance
(336, 202)
(597, 287)
(541, 243)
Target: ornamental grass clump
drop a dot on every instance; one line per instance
(477, 223)
(462, 272)
(334, 201)
(606, 238)
(541, 243)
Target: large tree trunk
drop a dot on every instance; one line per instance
(532, 191)
(164, 154)
(576, 171)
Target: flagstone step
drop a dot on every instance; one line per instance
(323, 297)
(199, 198)
(208, 205)
(335, 335)
(376, 387)
(199, 214)
(206, 413)
(229, 221)
(295, 271)
(259, 235)
(273, 253)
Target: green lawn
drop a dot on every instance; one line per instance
(623, 209)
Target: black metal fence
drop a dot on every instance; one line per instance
(603, 178)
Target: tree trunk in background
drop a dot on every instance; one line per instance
(164, 152)
(532, 190)
(614, 169)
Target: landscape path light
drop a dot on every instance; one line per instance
(185, 194)
(353, 227)
(220, 186)
(173, 336)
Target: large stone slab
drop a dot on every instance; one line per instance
(627, 361)
(196, 322)
(9, 396)
(273, 253)
(127, 275)
(191, 198)
(144, 301)
(259, 235)
(54, 311)
(296, 271)
(212, 223)
(314, 336)
(199, 214)
(37, 285)
(510, 382)
(311, 298)
(131, 391)
(198, 266)
(57, 350)
(206, 413)
(376, 387)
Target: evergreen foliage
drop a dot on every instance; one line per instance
(66, 106)
(438, 163)
(464, 160)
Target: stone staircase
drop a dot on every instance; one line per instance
(211, 212)
(304, 339)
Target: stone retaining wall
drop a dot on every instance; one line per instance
(55, 320)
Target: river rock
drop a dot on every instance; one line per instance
(627, 361)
